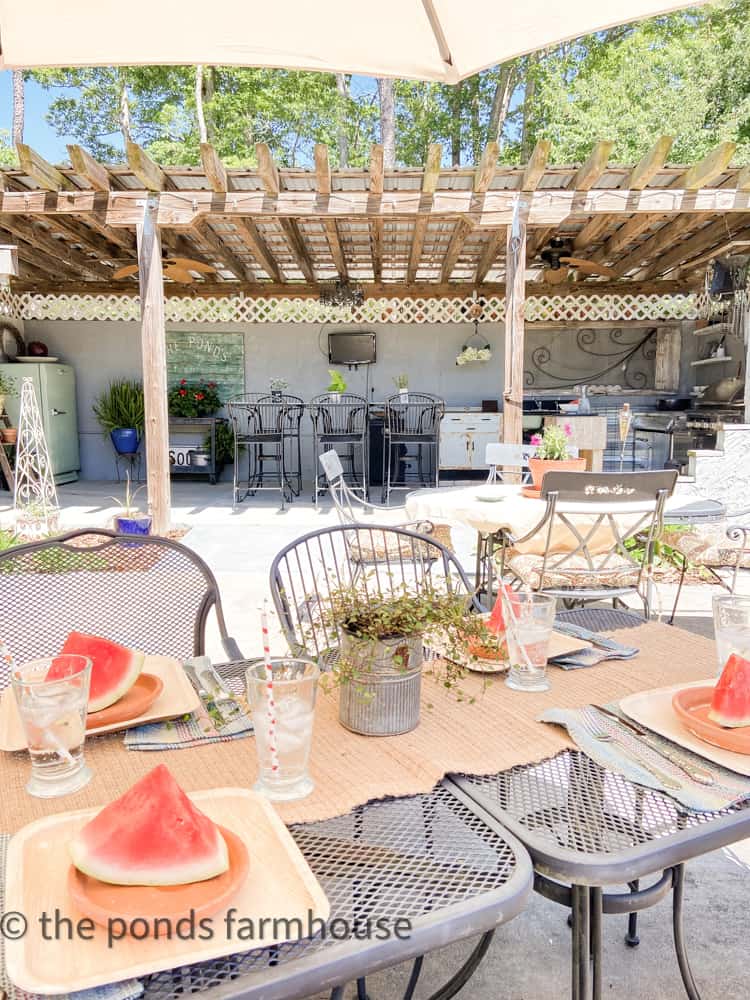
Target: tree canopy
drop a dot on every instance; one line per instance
(685, 74)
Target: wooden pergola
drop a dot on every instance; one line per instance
(434, 231)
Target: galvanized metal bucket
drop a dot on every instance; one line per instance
(383, 697)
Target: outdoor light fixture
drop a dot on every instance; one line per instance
(342, 293)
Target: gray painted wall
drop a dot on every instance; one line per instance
(101, 351)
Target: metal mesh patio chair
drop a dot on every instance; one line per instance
(351, 508)
(150, 593)
(721, 547)
(306, 574)
(341, 424)
(268, 428)
(588, 520)
(499, 456)
(411, 431)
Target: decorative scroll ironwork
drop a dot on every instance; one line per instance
(242, 309)
(626, 354)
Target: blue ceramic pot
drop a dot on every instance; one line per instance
(125, 440)
(139, 525)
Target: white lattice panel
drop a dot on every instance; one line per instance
(242, 309)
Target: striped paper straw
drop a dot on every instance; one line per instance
(7, 664)
(269, 687)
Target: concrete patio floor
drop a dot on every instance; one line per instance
(529, 958)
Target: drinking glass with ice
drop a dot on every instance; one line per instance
(528, 622)
(731, 627)
(52, 696)
(283, 707)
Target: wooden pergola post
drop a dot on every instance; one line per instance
(515, 301)
(154, 355)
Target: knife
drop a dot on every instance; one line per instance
(567, 628)
(220, 702)
(699, 774)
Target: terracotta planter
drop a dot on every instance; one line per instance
(9, 435)
(538, 467)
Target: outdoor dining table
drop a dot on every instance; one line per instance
(415, 825)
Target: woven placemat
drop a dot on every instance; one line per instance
(495, 732)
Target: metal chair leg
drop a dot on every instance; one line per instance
(337, 993)
(631, 938)
(362, 989)
(416, 969)
(679, 940)
(679, 589)
(467, 970)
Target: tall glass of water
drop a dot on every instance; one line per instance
(529, 621)
(283, 713)
(731, 627)
(52, 696)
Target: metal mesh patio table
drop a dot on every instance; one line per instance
(434, 859)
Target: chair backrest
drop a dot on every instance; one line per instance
(346, 416)
(307, 574)
(149, 593)
(421, 415)
(261, 413)
(597, 488)
(497, 455)
(597, 513)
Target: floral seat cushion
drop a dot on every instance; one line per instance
(707, 545)
(375, 546)
(575, 572)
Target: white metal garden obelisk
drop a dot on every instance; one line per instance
(34, 498)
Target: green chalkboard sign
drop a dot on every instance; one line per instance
(214, 357)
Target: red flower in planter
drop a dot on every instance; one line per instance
(183, 392)
(199, 395)
(211, 385)
(183, 381)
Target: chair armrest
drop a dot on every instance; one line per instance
(231, 648)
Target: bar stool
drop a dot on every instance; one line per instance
(412, 421)
(340, 423)
(267, 426)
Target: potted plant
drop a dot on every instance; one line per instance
(336, 386)
(378, 669)
(131, 521)
(552, 453)
(278, 387)
(193, 399)
(224, 443)
(119, 410)
(402, 384)
(7, 388)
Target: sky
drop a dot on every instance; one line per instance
(39, 134)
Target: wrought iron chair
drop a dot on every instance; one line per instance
(150, 593)
(350, 508)
(341, 424)
(411, 424)
(306, 574)
(267, 427)
(588, 519)
(499, 456)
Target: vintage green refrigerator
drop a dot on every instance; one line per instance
(55, 388)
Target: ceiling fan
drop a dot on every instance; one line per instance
(557, 255)
(175, 268)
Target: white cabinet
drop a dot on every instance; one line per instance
(464, 437)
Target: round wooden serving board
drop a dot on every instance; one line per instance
(692, 705)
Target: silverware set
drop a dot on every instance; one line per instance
(221, 704)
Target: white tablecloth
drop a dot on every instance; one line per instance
(489, 508)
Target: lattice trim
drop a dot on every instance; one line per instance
(241, 309)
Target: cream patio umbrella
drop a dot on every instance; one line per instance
(443, 40)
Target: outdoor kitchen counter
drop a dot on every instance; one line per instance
(589, 436)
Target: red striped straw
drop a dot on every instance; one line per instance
(269, 688)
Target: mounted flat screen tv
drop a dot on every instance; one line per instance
(351, 348)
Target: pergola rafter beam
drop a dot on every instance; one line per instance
(223, 252)
(323, 180)
(148, 172)
(214, 169)
(91, 170)
(534, 169)
(39, 170)
(706, 170)
(456, 245)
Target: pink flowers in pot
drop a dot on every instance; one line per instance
(553, 443)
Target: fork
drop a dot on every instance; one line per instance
(661, 776)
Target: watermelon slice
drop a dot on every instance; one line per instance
(730, 704)
(114, 668)
(151, 835)
(496, 621)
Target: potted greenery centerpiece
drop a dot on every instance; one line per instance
(278, 387)
(336, 386)
(119, 410)
(552, 453)
(193, 399)
(131, 521)
(402, 384)
(378, 668)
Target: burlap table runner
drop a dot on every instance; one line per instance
(497, 732)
